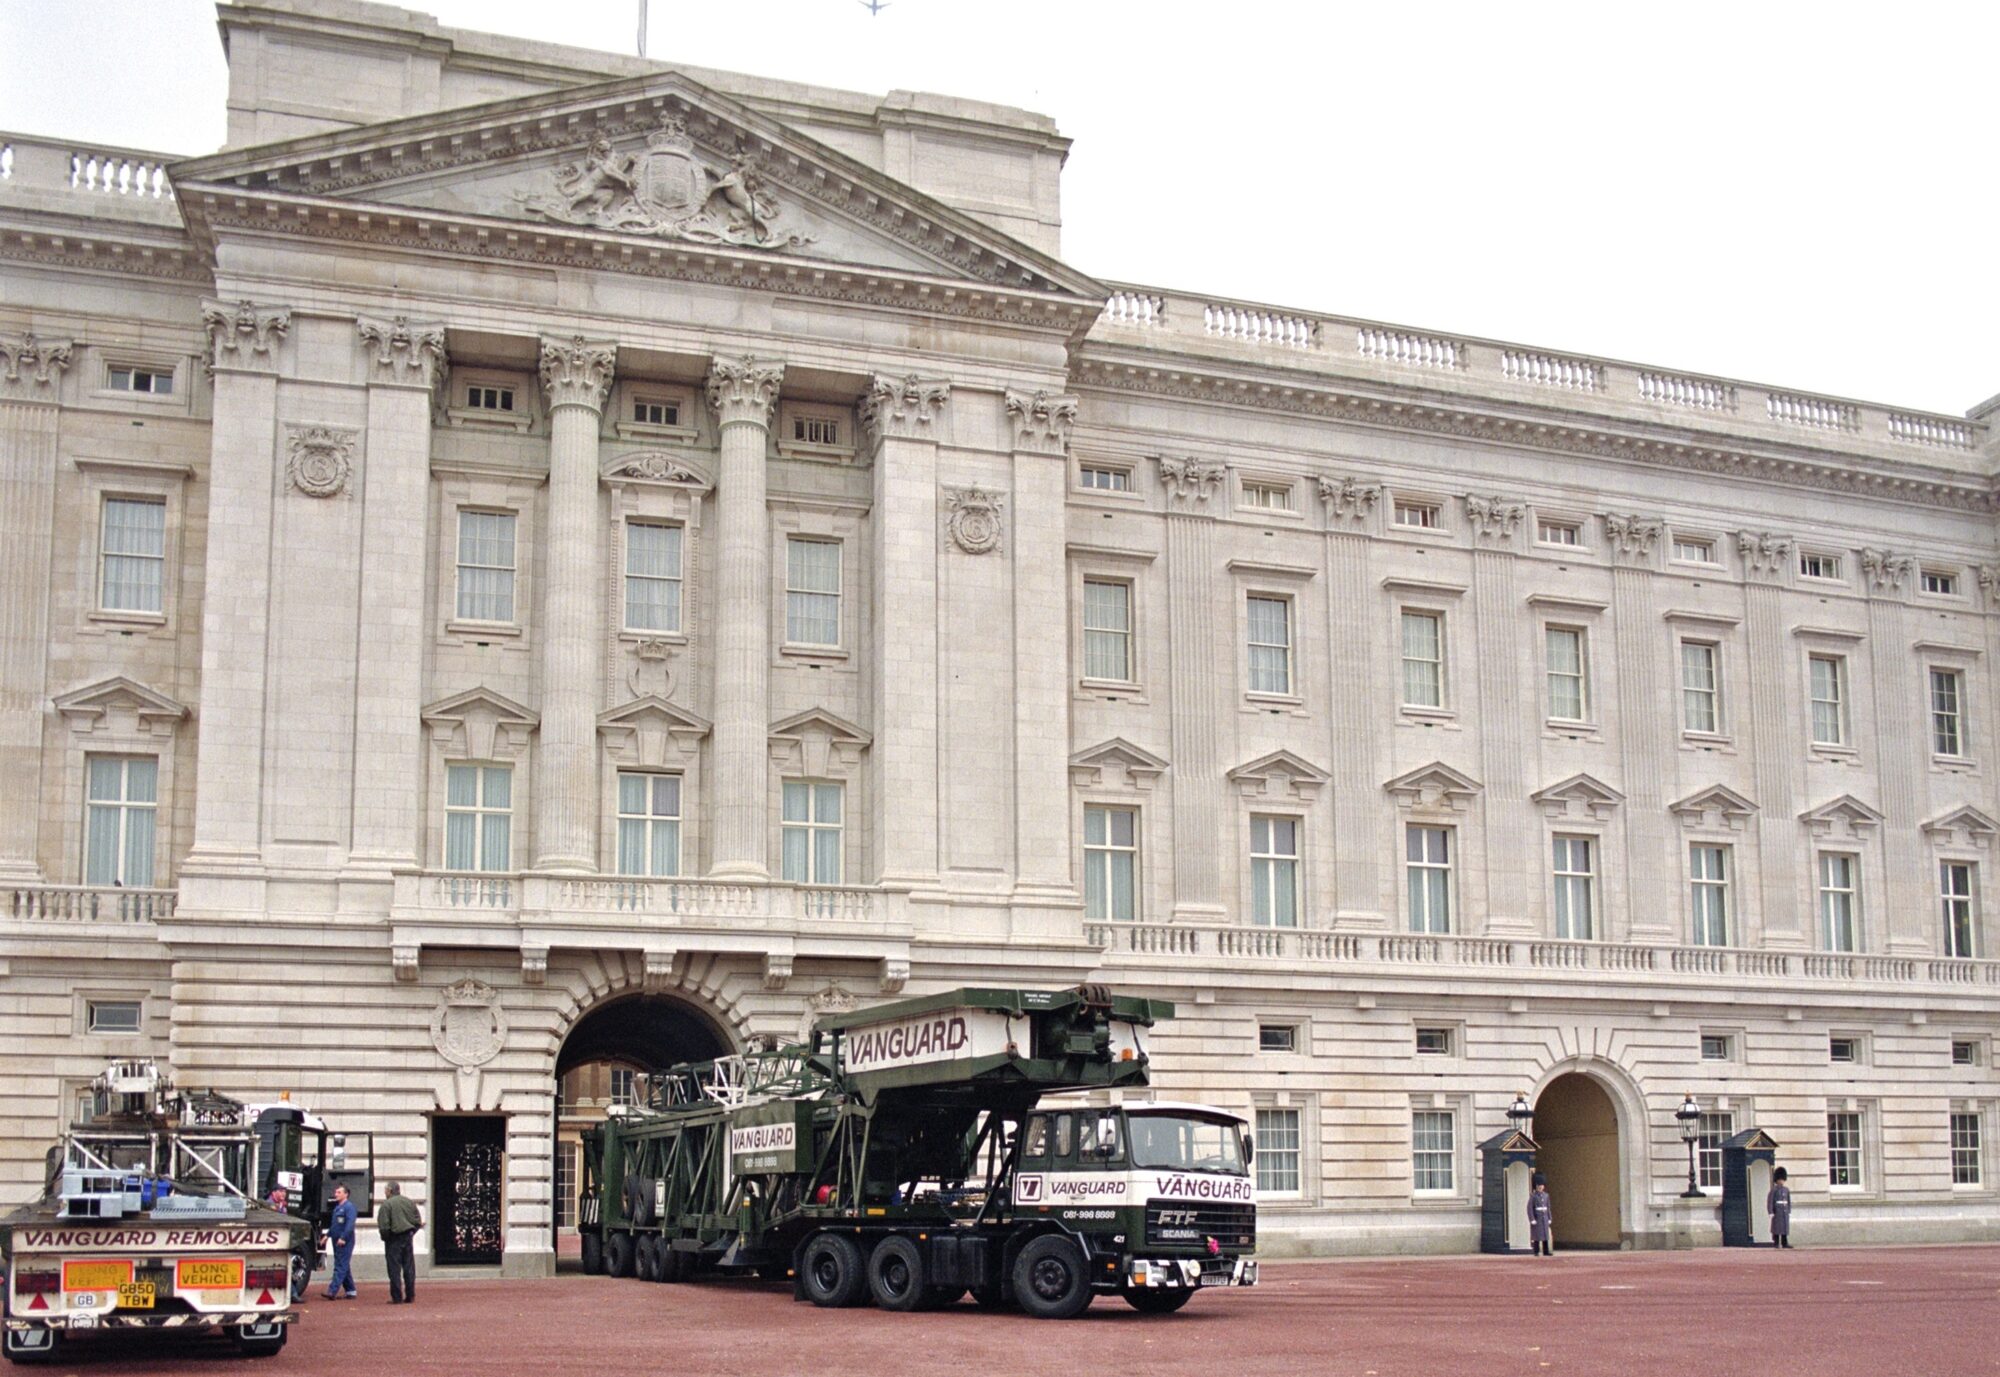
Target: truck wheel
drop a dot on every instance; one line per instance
(593, 1255)
(1148, 1301)
(896, 1274)
(26, 1346)
(618, 1255)
(646, 1258)
(832, 1272)
(1050, 1280)
(639, 1200)
(302, 1270)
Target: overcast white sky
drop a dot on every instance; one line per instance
(1798, 194)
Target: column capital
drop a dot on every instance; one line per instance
(31, 367)
(902, 408)
(241, 334)
(1632, 538)
(1349, 502)
(577, 371)
(1765, 555)
(1889, 574)
(1495, 520)
(1190, 482)
(744, 389)
(1042, 420)
(405, 353)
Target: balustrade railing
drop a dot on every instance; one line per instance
(1404, 347)
(1701, 394)
(1816, 412)
(31, 163)
(668, 899)
(1255, 326)
(1933, 430)
(1143, 309)
(37, 903)
(1552, 370)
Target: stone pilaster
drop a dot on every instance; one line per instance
(1040, 423)
(1200, 664)
(1901, 740)
(576, 378)
(1363, 893)
(244, 339)
(1647, 715)
(1515, 850)
(1774, 734)
(898, 416)
(743, 393)
(405, 362)
(31, 372)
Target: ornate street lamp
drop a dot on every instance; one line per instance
(1689, 1115)
(1519, 1112)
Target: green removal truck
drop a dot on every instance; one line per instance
(907, 1155)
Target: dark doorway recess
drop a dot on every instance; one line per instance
(469, 1155)
(1576, 1132)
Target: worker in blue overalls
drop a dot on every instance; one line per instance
(340, 1233)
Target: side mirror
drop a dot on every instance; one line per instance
(1249, 1150)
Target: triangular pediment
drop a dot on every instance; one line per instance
(1280, 774)
(817, 743)
(659, 163)
(480, 724)
(94, 703)
(1100, 765)
(476, 702)
(1844, 815)
(1436, 786)
(1718, 799)
(649, 731)
(654, 710)
(1581, 795)
(1976, 827)
(821, 721)
(1751, 1140)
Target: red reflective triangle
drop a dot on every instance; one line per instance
(265, 1299)
(38, 1303)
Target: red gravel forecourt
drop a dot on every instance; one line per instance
(1913, 1312)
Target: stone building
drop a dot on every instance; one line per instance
(532, 560)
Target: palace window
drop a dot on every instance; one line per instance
(812, 591)
(1105, 478)
(478, 817)
(1433, 1150)
(1110, 863)
(1270, 633)
(1827, 675)
(1270, 497)
(649, 824)
(1278, 1151)
(815, 430)
(1569, 695)
(1418, 515)
(157, 382)
(1423, 659)
(567, 1155)
(1434, 1042)
(111, 1016)
(133, 549)
(1843, 1150)
(1694, 550)
(1575, 887)
(652, 576)
(1839, 900)
(485, 566)
(1818, 566)
(810, 832)
(648, 411)
(1717, 1047)
(1947, 712)
(1277, 1037)
(1274, 871)
(1968, 1164)
(1708, 883)
(1964, 1052)
(1938, 583)
(487, 397)
(1550, 532)
(121, 816)
(1427, 853)
(1107, 631)
(1843, 1051)
(624, 1085)
(1712, 1130)
(1701, 688)
(1957, 895)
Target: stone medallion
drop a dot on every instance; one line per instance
(468, 1028)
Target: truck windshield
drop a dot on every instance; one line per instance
(1185, 1143)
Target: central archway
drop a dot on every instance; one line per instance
(1576, 1130)
(596, 1066)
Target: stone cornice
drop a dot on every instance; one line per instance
(86, 244)
(1670, 449)
(902, 408)
(744, 389)
(577, 371)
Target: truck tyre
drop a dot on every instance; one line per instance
(302, 1270)
(1148, 1301)
(27, 1346)
(593, 1255)
(832, 1271)
(639, 1201)
(1050, 1278)
(618, 1255)
(896, 1275)
(646, 1258)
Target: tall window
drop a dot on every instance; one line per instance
(1701, 692)
(1428, 854)
(1967, 1161)
(1278, 1150)
(122, 801)
(1423, 660)
(1947, 712)
(1961, 917)
(1576, 885)
(649, 824)
(486, 566)
(1433, 1150)
(624, 1085)
(1708, 878)
(566, 1159)
(133, 546)
(1111, 863)
(652, 576)
(1843, 1150)
(1107, 631)
(1829, 700)
(1274, 871)
(1838, 900)
(1270, 645)
(812, 591)
(1568, 697)
(1712, 1131)
(478, 817)
(810, 832)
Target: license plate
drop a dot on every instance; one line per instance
(101, 1274)
(83, 1321)
(209, 1274)
(136, 1295)
(1215, 1279)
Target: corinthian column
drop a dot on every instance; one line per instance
(742, 391)
(576, 375)
(1196, 654)
(30, 380)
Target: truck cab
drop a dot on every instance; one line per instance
(299, 1154)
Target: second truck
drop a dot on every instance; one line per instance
(919, 1150)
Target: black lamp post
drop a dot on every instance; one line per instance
(1519, 1112)
(1689, 1115)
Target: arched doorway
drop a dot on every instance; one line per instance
(1576, 1129)
(595, 1069)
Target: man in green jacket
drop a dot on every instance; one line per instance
(398, 1221)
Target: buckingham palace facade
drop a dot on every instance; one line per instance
(531, 559)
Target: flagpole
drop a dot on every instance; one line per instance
(642, 28)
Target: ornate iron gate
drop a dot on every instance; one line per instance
(469, 1159)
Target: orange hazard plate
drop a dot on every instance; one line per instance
(209, 1274)
(100, 1274)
